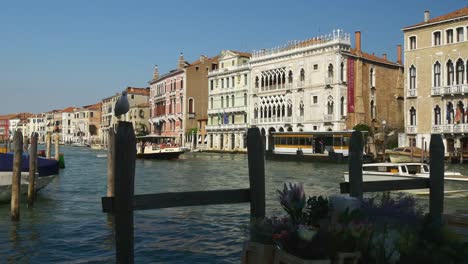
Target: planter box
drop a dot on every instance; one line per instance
(256, 253)
(283, 257)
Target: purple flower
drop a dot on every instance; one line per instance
(293, 200)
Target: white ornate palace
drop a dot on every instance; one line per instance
(301, 86)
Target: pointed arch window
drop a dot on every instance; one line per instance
(342, 72)
(437, 74)
(330, 71)
(302, 77)
(460, 67)
(372, 78)
(412, 116)
(449, 113)
(330, 105)
(290, 77)
(211, 103)
(450, 73)
(227, 100)
(412, 77)
(342, 106)
(256, 82)
(232, 101)
(245, 99)
(437, 117)
(460, 113)
(190, 105)
(372, 109)
(222, 102)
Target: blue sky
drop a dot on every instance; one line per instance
(55, 54)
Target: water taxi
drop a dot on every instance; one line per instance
(407, 154)
(453, 181)
(158, 147)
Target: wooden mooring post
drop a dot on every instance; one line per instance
(125, 202)
(110, 163)
(57, 147)
(32, 170)
(16, 177)
(48, 142)
(355, 187)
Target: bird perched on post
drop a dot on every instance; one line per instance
(121, 106)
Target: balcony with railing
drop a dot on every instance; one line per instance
(227, 127)
(450, 90)
(191, 115)
(450, 128)
(273, 119)
(235, 109)
(411, 93)
(411, 129)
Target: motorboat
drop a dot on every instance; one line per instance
(47, 170)
(158, 147)
(407, 154)
(453, 181)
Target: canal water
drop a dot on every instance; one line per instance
(67, 225)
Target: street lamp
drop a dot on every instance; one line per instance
(384, 124)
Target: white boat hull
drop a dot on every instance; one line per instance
(452, 182)
(6, 179)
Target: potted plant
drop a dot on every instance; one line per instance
(260, 248)
(306, 239)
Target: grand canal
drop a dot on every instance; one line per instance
(67, 225)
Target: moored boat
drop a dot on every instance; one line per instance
(158, 147)
(47, 170)
(407, 154)
(453, 181)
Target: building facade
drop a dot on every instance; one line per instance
(136, 96)
(300, 86)
(179, 100)
(375, 89)
(228, 100)
(36, 123)
(436, 86)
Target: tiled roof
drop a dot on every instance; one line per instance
(96, 106)
(215, 58)
(458, 13)
(140, 91)
(242, 54)
(371, 57)
(68, 109)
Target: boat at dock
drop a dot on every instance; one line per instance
(158, 147)
(47, 170)
(407, 154)
(453, 181)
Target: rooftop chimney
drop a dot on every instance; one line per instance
(202, 58)
(181, 62)
(426, 15)
(357, 39)
(384, 56)
(399, 54)
(156, 72)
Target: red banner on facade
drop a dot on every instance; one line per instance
(350, 85)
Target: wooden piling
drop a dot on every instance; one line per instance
(57, 150)
(32, 170)
(355, 165)
(124, 168)
(48, 142)
(110, 164)
(16, 177)
(436, 178)
(256, 160)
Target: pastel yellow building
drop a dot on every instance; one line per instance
(436, 87)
